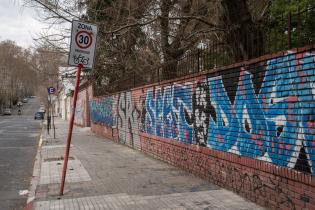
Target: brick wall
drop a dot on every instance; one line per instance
(248, 127)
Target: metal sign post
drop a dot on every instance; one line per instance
(51, 90)
(65, 163)
(82, 53)
(53, 120)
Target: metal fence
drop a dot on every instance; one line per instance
(277, 33)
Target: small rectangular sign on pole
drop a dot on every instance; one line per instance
(51, 90)
(83, 43)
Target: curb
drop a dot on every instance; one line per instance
(36, 174)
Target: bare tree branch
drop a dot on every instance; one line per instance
(53, 11)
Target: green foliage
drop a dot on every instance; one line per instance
(279, 7)
(302, 24)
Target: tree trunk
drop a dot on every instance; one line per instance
(244, 38)
(169, 66)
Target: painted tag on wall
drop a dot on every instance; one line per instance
(83, 42)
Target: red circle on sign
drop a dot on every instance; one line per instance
(83, 33)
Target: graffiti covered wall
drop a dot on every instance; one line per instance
(261, 111)
(264, 111)
(102, 111)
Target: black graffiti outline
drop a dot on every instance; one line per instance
(80, 59)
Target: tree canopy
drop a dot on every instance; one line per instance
(17, 79)
(142, 40)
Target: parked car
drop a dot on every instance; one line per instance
(39, 116)
(24, 100)
(7, 111)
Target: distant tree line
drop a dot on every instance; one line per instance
(16, 76)
(26, 72)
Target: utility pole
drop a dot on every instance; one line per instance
(48, 113)
(11, 93)
(53, 118)
(51, 90)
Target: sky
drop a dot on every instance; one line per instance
(18, 23)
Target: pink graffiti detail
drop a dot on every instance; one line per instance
(299, 56)
(287, 147)
(257, 137)
(290, 112)
(293, 99)
(273, 146)
(302, 76)
(186, 136)
(242, 81)
(220, 138)
(232, 109)
(311, 127)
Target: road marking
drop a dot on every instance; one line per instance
(32, 135)
(21, 147)
(40, 141)
(4, 165)
(23, 192)
(55, 146)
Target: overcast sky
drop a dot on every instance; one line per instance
(18, 23)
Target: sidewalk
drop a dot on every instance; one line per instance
(104, 175)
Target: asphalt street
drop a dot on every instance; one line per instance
(19, 136)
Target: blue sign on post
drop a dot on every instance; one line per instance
(51, 90)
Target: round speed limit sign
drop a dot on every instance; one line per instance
(83, 39)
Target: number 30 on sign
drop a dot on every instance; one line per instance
(83, 41)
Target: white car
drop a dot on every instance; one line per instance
(7, 111)
(42, 109)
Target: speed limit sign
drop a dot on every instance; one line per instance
(83, 41)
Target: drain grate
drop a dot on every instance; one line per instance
(56, 159)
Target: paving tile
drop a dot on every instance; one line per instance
(51, 172)
(189, 200)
